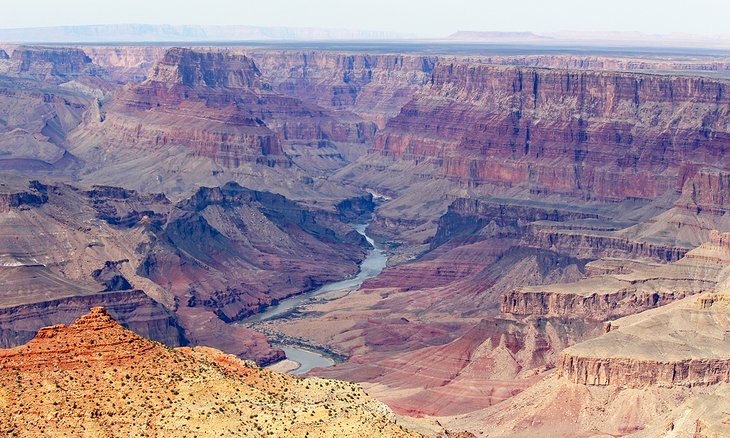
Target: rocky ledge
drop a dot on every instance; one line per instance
(625, 292)
(679, 345)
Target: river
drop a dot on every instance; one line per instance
(371, 266)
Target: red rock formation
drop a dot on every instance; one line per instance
(96, 377)
(708, 191)
(585, 244)
(677, 345)
(211, 259)
(468, 216)
(188, 93)
(493, 361)
(217, 105)
(588, 134)
(620, 292)
(207, 69)
(232, 251)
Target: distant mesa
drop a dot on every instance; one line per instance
(53, 64)
(469, 35)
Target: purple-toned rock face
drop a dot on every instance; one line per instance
(51, 62)
(218, 106)
(132, 308)
(210, 69)
(586, 134)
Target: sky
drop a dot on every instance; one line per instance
(424, 18)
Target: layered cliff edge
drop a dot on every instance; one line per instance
(661, 372)
(606, 135)
(630, 288)
(50, 64)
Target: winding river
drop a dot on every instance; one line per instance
(371, 266)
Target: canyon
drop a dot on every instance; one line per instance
(556, 229)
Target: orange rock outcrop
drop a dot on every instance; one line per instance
(95, 378)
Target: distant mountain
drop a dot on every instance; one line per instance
(595, 38)
(466, 35)
(183, 33)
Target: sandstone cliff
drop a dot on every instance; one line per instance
(619, 293)
(672, 346)
(215, 112)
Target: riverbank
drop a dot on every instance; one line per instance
(285, 366)
(283, 341)
(303, 351)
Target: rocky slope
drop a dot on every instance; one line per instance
(207, 260)
(132, 308)
(34, 126)
(523, 207)
(656, 372)
(206, 121)
(233, 250)
(652, 357)
(126, 64)
(207, 115)
(619, 293)
(95, 377)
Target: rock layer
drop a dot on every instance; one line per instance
(372, 86)
(50, 63)
(217, 105)
(588, 134)
(132, 308)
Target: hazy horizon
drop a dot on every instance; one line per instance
(423, 19)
